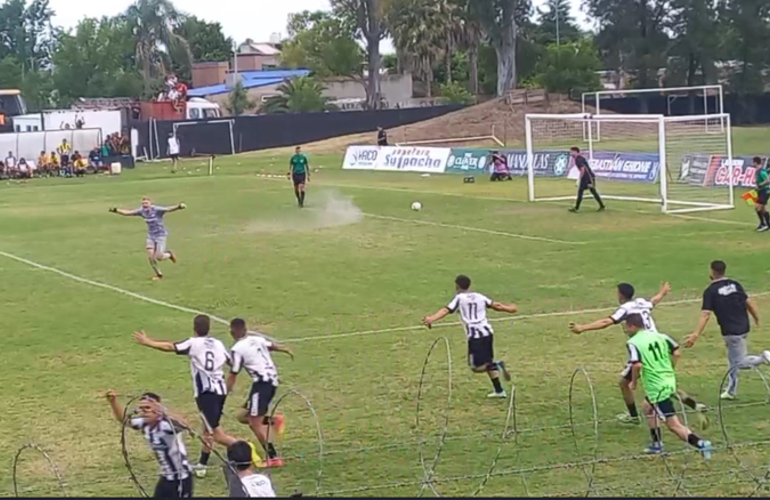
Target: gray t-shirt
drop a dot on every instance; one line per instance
(153, 216)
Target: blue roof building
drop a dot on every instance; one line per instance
(251, 80)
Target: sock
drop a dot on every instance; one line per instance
(693, 440)
(689, 401)
(497, 385)
(766, 215)
(302, 197)
(204, 460)
(655, 434)
(761, 218)
(632, 410)
(579, 199)
(154, 265)
(271, 453)
(296, 194)
(597, 197)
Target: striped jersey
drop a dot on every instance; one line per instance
(642, 307)
(473, 313)
(207, 357)
(166, 442)
(252, 353)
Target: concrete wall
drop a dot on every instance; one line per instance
(396, 89)
(256, 62)
(209, 73)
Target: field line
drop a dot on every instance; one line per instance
(475, 229)
(718, 221)
(521, 317)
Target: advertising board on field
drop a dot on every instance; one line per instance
(477, 161)
(394, 158)
(468, 161)
(636, 167)
(716, 172)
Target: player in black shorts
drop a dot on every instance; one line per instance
(300, 174)
(587, 180)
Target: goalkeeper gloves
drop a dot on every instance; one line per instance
(114, 210)
(182, 206)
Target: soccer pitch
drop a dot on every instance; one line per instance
(345, 283)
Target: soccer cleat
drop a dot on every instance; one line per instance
(497, 395)
(766, 357)
(274, 462)
(157, 277)
(573, 210)
(705, 449)
(762, 229)
(726, 396)
(602, 209)
(626, 418)
(279, 424)
(199, 470)
(171, 256)
(506, 374)
(654, 449)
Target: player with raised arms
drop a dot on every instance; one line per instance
(164, 436)
(252, 353)
(299, 172)
(473, 313)
(156, 231)
(652, 357)
(587, 181)
(643, 307)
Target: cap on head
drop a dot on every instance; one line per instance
(626, 290)
(718, 268)
(463, 282)
(239, 455)
(201, 325)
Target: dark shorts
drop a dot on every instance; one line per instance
(167, 488)
(664, 408)
(211, 406)
(64, 160)
(586, 185)
(762, 197)
(500, 176)
(174, 157)
(260, 397)
(298, 179)
(480, 351)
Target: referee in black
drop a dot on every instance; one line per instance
(587, 180)
(382, 137)
(729, 302)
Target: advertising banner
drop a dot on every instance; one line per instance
(545, 163)
(636, 167)
(468, 161)
(393, 158)
(717, 171)
(694, 169)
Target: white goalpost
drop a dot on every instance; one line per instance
(667, 160)
(699, 93)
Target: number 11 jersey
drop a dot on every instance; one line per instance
(207, 357)
(473, 312)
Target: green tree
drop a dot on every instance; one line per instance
(455, 93)
(205, 41)
(469, 35)
(747, 40)
(300, 95)
(695, 45)
(556, 23)
(570, 68)
(238, 101)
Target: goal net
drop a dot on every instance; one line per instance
(683, 163)
(668, 101)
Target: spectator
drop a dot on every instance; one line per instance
(10, 165)
(95, 160)
(44, 164)
(55, 164)
(500, 170)
(65, 150)
(3, 171)
(79, 164)
(23, 170)
(382, 137)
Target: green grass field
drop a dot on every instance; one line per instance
(345, 283)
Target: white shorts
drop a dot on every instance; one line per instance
(157, 243)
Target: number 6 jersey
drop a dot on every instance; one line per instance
(207, 356)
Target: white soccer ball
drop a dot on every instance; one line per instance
(416, 206)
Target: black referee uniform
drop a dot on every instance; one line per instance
(587, 182)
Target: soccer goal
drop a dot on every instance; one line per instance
(701, 99)
(669, 160)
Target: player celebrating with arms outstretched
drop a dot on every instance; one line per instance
(473, 312)
(300, 174)
(652, 357)
(156, 231)
(587, 180)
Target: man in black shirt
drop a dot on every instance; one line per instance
(382, 137)
(587, 180)
(731, 305)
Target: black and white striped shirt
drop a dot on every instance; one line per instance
(473, 312)
(207, 357)
(253, 354)
(166, 441)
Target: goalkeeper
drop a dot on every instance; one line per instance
(587, 180)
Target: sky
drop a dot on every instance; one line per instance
(240, 19)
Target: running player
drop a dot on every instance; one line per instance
(587, 180)
(473, 312)
(300, 174)
(164, 436)
(252, 353)
(173, 151)
(207, 357)
(643, 307)
(156, 231)
(652, 357)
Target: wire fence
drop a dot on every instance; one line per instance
(521, 458)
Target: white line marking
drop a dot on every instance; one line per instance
(554, 314)
(118, 290)
(719, 221)
(476, 229)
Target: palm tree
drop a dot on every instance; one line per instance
(469, 35)
(153, 23)
(300, 95)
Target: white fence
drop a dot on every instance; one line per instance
(28, 145)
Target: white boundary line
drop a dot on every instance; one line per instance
(334, 336)
(706, 219)
(476, 229)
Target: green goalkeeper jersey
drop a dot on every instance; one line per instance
(653, 350)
